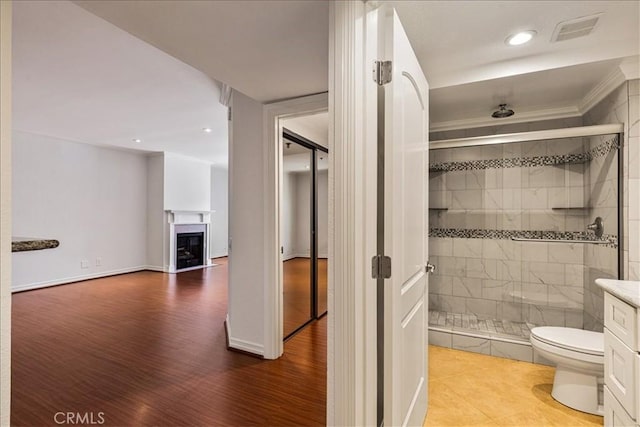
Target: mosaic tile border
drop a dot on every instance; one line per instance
(476, 233)
(517, 162)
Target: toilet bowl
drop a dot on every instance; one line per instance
(579, 359)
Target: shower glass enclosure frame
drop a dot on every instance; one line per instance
(489, 198)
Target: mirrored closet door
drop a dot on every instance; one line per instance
(304, 231)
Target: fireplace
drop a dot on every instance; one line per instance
(188, 238)
(189, 250)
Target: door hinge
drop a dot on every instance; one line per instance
(382, 72)
(229, 114)
(381, 267)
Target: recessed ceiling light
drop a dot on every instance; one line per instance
(207, 130)
(520, 38)
(306, 167)
(137, 140)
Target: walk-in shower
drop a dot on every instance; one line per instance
(520, 226)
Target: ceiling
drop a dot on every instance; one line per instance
(314, 127)
(107, 72)
(80, 78)
(241, 43)
(564, 95)
(461, 47)
(460, 42)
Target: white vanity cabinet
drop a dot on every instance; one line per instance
(621, 352)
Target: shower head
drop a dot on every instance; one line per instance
(502, 112)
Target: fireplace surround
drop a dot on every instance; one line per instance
(188, 233)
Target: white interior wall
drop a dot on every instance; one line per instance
(219, 236)
(156, 217)
(105, 206)
(93, 200)
(245, 322)
(187, 184)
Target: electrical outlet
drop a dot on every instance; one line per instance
(98, 261)
(84, 263)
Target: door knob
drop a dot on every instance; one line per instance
(430, 268)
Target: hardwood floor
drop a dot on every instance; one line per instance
(297, 292)
(149, 349)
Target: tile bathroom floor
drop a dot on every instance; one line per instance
(470, 389)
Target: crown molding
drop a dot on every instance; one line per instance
(601, 90)
(225, 94)
(527, 116)
(630, 67)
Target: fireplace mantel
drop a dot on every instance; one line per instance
(188, 217)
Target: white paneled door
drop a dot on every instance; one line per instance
(403, 111)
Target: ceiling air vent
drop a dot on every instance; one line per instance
(575, 28)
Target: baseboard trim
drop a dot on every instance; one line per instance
(67, 280)
(289, 257)
(218, 255)
(242, 346)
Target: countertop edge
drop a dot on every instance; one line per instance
(626, 290)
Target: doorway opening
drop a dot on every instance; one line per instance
(304, 185)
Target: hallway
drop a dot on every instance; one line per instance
(149, 348)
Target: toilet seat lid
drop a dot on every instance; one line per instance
(589, 342)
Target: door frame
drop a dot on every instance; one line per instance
(5, 211)
(273, 308)
(351, 326)
(352, 334)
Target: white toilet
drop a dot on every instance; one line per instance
(579, 359)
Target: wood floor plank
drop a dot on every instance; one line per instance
(148, 348)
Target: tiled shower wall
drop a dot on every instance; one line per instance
(621, 106)
(482, 196)
(601, 195)
(632, 177)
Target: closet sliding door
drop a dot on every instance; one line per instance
(322, 211)
(304, 228)
(297, 261)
